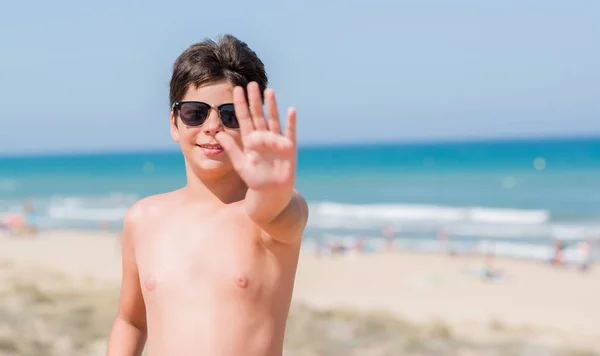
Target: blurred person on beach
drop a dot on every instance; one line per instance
(444, 241)
(209, 269)
(557, 258)
(20, 224)
(29, 219)
(490, 272)
(5, 230)
(585, 250)
(388, 234)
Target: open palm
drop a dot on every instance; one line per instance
(267, 158)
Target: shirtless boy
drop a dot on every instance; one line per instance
(209, 269)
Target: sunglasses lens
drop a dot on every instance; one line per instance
(228, 116)
(193, 114)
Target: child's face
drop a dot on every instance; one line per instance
(204, 159)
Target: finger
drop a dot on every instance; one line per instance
(256, 107)
(274, 124)
(290, 127)
(241, 111)
(232, 148)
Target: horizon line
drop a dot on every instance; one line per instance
(312, 145)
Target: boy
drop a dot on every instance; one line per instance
(209, 269)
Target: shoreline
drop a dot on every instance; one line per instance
(533, 250)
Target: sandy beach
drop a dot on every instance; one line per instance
(534, 303)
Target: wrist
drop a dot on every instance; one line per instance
(265, 205)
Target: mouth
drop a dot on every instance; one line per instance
(211, 149)
(211, 146)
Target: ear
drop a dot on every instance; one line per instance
(174, 130)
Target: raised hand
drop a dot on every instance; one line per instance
(267, 158)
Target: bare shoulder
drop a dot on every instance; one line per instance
(146, 211)
(289, 226)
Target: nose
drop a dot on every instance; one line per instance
(213, 124)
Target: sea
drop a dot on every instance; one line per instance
(519, 195)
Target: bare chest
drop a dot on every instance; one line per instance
(205, 259)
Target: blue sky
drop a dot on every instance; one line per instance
(89, 76)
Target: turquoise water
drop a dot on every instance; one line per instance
(517, 190)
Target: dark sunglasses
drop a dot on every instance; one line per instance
(194, 113)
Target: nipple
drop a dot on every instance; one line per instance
(150, 284)
(242, 281)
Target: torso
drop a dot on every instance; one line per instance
(212, 282)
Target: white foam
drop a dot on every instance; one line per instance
(405, 219)
(474, 222)
(408, 212)
(57, 209)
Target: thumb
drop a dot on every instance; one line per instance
(232, 148)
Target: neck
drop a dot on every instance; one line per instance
(223, 189)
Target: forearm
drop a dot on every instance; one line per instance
(265, 206)
(125, 339)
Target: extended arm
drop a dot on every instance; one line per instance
(281, 216)
(267, 164)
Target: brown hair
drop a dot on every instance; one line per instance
(209, 61)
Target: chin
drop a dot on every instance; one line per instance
(203, 165)
(209, 167)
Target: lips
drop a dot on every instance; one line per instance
(211, 146)
(211, 149)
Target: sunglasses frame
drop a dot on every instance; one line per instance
(177, 105)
